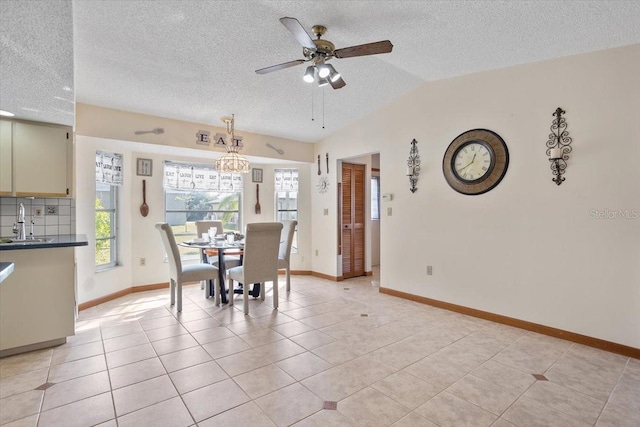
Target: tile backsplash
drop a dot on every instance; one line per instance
(51, 216)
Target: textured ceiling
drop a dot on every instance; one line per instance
(36, 60)
(195, 60)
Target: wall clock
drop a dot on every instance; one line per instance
(323, 184)
(475, 161)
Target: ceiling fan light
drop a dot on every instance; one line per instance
(309, 74)
(323, 70)
(323, 82)
(333, 74)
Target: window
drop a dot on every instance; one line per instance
(183, 207)
(286, 186)
(106, 225)
(375, 197)
(108, 179)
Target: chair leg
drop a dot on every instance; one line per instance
(275, 293)
(217, 294)
(230, 286)
(172, 289)
(288, 275)
(179, 296)
(245, 294)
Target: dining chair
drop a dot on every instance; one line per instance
(284, 253)
(231, 259)
(260, 264)
(179, 274)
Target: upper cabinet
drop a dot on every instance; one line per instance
(40, 159)
(6, 170)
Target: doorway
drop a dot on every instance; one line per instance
(352, 223)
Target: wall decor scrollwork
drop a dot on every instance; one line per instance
(559, 146)
(413, 166)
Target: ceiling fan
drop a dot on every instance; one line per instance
(319, 51)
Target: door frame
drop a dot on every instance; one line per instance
(366, 160)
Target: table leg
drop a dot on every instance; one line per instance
(221, 277)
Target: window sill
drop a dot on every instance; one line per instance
(106, 268)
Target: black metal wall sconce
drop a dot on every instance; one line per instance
(413, 166)
(558, 146)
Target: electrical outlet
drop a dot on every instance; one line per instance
(429, 270)
(326, 212)
(143, 261)
(389, 211)
(316, 252)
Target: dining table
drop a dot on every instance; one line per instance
(220, 247)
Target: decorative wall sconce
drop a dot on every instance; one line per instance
(413, 166)
(558, 146)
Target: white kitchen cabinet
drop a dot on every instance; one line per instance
(6, 170)
(40, 160)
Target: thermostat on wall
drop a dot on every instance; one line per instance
(387, 197)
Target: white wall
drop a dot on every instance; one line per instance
(528, 249)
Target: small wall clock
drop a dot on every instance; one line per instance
(323, 184)
(475, 161)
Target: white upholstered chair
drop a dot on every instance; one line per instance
(210, 255)
(260, 265)
(284, 255)
(179, 274)
(230, 260)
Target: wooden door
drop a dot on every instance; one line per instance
(352, 220)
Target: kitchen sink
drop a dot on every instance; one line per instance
(27, 241)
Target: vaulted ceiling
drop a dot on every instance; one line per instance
(196, 60)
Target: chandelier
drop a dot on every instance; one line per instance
(231, 161)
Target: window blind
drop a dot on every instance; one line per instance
(199, 177)
(109, 168)
(286, 179)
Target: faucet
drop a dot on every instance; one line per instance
(22, 232)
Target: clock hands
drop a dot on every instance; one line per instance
(468, 164)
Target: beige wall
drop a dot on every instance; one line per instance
(528, 249)
(120, 125)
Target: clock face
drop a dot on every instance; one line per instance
(475, 161)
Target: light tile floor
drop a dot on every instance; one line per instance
(386, 362)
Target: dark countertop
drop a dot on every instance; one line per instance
(6, 268)
(62, 241)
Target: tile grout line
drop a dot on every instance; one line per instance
(613, 390)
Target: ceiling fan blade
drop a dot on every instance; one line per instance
(338, 83)
(374, 48)
(273, 68)
(294, 26)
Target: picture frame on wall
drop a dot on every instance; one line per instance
(256, 175)
(144, 167)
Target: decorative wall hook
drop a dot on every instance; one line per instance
(413, 166)
(558, 146)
